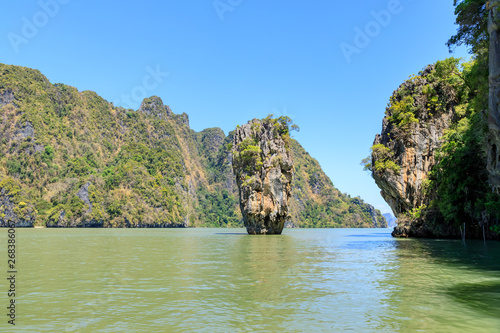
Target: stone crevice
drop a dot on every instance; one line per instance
(263, 166)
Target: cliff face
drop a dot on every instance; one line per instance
(71, 159)
(14, 214)
(430, 162)
(263, 167)
(316, 203)
(494, 96)
(421, 113)
(411, 146)
(81, 162)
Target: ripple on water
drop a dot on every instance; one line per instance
(211, 280)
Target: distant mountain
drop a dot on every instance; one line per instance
(72, 159)
(391, 220)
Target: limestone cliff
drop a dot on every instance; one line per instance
(72, 159)
(420, 112)
(14, 209)
(9, 215)
(153, 106)
(317, 203)
(411, 146)
(263, 168)
(429, 160)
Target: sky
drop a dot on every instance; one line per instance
(331, 66)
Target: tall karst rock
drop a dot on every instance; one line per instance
(263, 167)
(404, 153)
(420, 112)
(71, 159)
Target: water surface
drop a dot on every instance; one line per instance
(222, 280)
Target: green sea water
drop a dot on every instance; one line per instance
(223, 280)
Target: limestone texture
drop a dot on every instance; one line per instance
(413, 152)
(405, 152)
(263, 166)
(14, 215)
(72, 159)
(83, 194)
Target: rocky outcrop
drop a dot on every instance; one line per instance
(6, 97)
(263, 168)
(83, 194)
(63, 222)
(412, 149)
(183, 118)
(428, 162)
(494, 96)
(373, 213)
(24, 131)
(153, 106)
(147, 168)
(403, 190)
(420, 112)
(408, 227)
(10, 213)
(211, 140)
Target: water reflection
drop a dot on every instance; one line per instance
(472, 254)
(483, 297)
(264, 295)
(447, 286)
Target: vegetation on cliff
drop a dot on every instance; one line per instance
(70, 158)
(317, 203)
(248, 153)
(449, 98)
(461, 177)
(263, 166)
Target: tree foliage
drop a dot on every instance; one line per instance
(318, 204)
(458, 183)
(472, 21)
(460, 178)
(146, 168)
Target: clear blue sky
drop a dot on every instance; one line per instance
(229, 61)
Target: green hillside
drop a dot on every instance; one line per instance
(72, 159)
